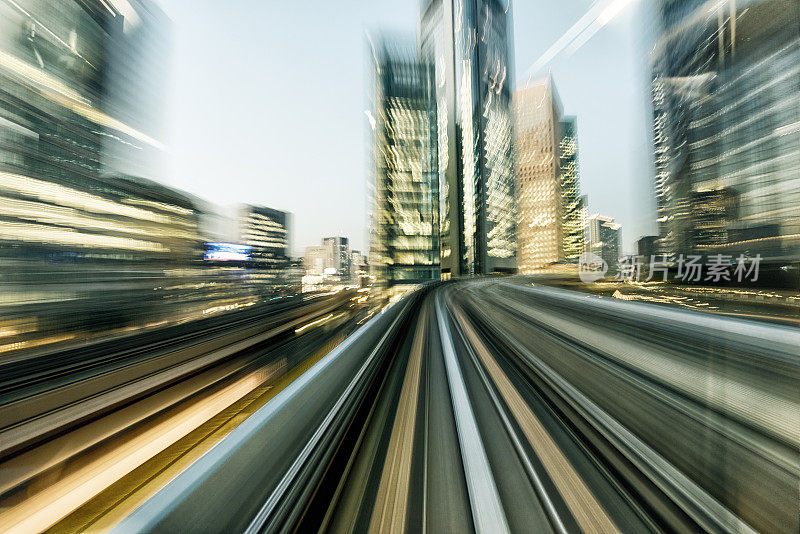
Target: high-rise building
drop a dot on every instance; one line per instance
(267, 231)
(81, 123)
(468, 41)
(541, 206)
(571, 199)
(605, 238)
(84, 218)
(332, 259)
(726, 116)
(404, 237)
(337, 255)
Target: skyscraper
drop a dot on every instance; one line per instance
(605, 237)
(404, 236)
(726, 116)
(571, 199)
(267, 230)
(82, 87)
(538, 147)
(338, 255)
(468, 41)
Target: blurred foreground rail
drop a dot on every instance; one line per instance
(88, 433)
(496, 406)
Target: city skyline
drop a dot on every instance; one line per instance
(500, 363)
(336, 176)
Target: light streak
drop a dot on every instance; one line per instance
(59, 93)
(69, 493)
(313, 323)
(576, 36)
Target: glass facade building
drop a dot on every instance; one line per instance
(468, 42)
(81, 87)
(605, 238)
(267, 230)
(337, 250)
(404, 237)
(540, 202)
(725, 82)
(571, 200)
(90, 239)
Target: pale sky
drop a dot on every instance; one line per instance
(269, 96)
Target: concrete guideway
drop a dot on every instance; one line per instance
(488, 405)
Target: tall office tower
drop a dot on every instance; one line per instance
(538, 147)
(81, 112)
(337, 255)
(605, 238)
(268, 231)
(571, 199)
(468, 41)
(404, 246)
(726, 115)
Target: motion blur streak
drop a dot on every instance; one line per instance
(702, 443)
(579, 33)
(487, 512)
(92, 243)
(587, 511)
(69, 493)
(78, 428)
(493, 363)
(391, 501)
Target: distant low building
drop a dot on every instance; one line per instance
(358, 266)
(314, 260)
(331, 260)
(294, 275)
